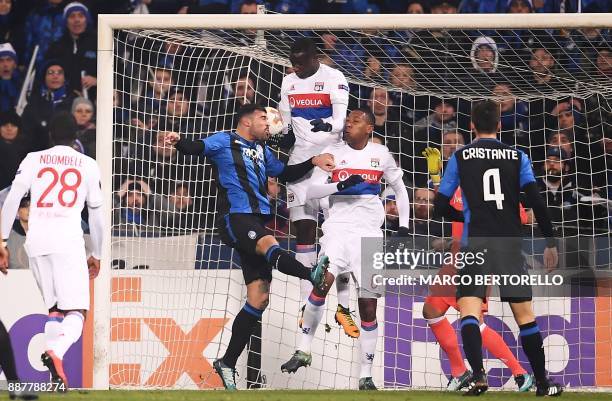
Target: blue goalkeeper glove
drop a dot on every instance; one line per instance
(350, 182)
(320, 125)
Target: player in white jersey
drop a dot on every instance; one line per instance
(314, 101)
(356, 211)
(60, 181)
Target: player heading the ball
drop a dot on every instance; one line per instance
(242, 163)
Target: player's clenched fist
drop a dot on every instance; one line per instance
(93, 265)
(171, 138)
(325, 161)
(434, 163)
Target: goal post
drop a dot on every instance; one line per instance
(156, 355)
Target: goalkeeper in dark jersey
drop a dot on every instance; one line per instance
(243, 164)
(492, 176)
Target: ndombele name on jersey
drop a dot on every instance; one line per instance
(489, 153)
(61, 160)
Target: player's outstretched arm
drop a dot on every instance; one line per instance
(293, 172)
(184, 145)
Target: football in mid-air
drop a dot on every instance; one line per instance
(275, 120)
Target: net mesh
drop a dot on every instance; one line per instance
(176, 288)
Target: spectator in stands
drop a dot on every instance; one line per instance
(154, 98)
(279, 224)
(542, 64)
(484, 56)
(604, 62)
(182, 116)
(423, 223)
(77, 49)
(391, 212)
(580, 48)
(514, 118)
(559, 190)
(49, 95)
(388, 122)
(444, 6)
(44, 25)
(10, 78)
(292, 7)
(175, 211)
(13, 147)
(451, 141)
(16, 240)
(520, 6)
(132, 207)
(415, 7)
(6, 22)
(83, 112)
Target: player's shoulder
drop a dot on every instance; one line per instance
(378, 148)
(331, 72)
(335, 148)
(219, 137)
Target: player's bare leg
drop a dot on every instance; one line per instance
(258, 294)
(367, 341)
(447, 338)
(531, 340)
(313, 313)
(63, 328)
(470, 309)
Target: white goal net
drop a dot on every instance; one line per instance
(171, 289)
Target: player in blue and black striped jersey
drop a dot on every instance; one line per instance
(242, 164)
(491, 176)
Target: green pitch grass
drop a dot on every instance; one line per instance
(281, 395)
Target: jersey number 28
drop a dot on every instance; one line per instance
(495, 195)
(66, 187)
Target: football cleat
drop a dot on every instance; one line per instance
(56, 368)
(298, 360)
(366, 383)
(457, 383)
(524, 382)
(345, 319)
(477, 385)
(317, 275)
(227, 374)
(548, 388)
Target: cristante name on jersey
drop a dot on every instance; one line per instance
(61, 160)
(370, 176)
(490, 154)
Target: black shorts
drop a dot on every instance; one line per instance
(241, 231)
(507, 262)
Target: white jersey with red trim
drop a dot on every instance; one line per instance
(60, 181)
(310, 99)
(359, 205)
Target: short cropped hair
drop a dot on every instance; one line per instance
(485, 116)
(249, 109)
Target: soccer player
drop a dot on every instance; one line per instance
(440, 300)
(60, 180)
(492, 176)
(314, 101)
(356, 211)
(243, 163)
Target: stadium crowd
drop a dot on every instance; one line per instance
(164, 86)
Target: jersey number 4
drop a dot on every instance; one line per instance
(66, 187)
(496, 195)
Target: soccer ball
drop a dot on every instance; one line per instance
(275, 120)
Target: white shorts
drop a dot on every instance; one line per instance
(343, 248)
(299, 207)
(63, 279)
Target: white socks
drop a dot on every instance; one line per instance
(343, 287)
(53, 329)
(313, 313)
(306, 255)
(60, 336)
(367, 344)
